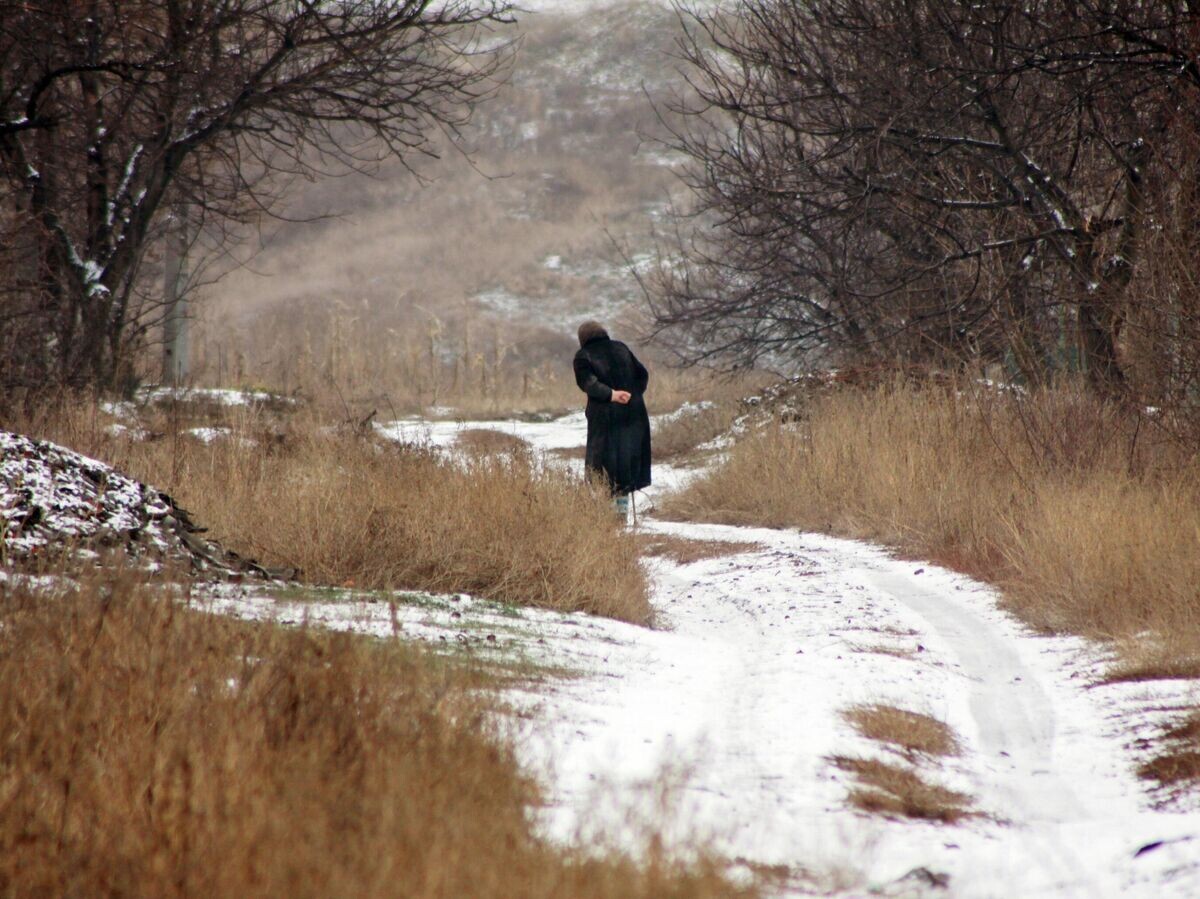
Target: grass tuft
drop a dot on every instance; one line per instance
(1173, 768)
(912, 732)
(489, 441)
(889, 789)
(685, 550)
(1178, 764)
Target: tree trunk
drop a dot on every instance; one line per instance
(175, 323)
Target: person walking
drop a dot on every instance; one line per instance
(618, 434)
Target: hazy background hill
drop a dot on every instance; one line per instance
(478, 272)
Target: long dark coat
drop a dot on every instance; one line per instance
(618, 436)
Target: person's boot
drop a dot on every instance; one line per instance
(621, 505)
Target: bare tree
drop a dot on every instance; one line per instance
(926, 178)
(113, 112)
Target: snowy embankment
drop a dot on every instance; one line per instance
(58, 506)
(739, 694)
(49, 495)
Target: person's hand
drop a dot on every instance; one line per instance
(621, 396)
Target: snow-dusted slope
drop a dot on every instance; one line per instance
(57, 506)
(50, 495)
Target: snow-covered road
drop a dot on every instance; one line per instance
(765, 649)
(734, 706)
(722, 723)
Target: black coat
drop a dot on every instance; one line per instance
(618, 436)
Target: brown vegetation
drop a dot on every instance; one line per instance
(899, 652)
(354, 509)
(388, 300)
(1173, 768)
(151, 750)
(715, 402)
(112, 167)
(680, 435)
(1177, 765)
(941, 182)
(895, 790)
(489, 441)
(1085, 515)
(1084, 512)
(911, 731)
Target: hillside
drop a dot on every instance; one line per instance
(495, 257)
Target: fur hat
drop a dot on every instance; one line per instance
(590, 330)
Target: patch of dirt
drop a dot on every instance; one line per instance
(684, 550)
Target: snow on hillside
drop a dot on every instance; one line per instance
(49, 495)
(564, 165)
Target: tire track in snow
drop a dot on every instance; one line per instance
(744, 692)
(745, 689)
(1016, 723)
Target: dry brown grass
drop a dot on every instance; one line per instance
(1177, 766)
(1173, 768)
(896, 790)
(489, 441)
(1148, 660)
(912, 732)
(1087, 515)
(355, 510)
(685, 550)
(682, 434)
(1188, 729)
(151, 750)
(679, 436)
(899, 652)
(1087, 520)
(349, 364)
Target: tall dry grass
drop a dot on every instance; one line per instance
(151, 750)
(349, 362)
(1087, 515)
(353, 509)
(712, 404)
